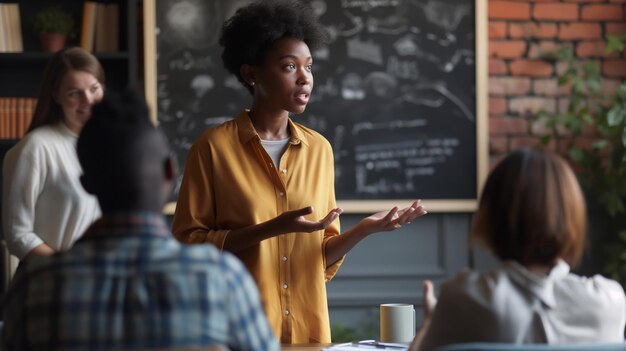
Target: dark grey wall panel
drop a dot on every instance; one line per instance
(390, 267)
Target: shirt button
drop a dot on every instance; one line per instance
(286, 312)
(285, 286)
(284, 258)
(281, 194)
(284, 170)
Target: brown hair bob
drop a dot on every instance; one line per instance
(532, 210)
(48, 110)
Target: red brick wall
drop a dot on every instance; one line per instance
(520, 82)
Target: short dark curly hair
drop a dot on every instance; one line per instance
(252, 30)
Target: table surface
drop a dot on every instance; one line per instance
(303, 347)
(283, 347)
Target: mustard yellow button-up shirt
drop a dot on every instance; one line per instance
(230, 182)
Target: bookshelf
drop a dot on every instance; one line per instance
(22, 72)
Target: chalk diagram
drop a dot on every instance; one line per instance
(194, 92)
(394, 90)
(395, 94)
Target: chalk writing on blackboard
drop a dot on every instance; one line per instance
(395, 90)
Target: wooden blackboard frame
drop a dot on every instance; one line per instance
(367, 206)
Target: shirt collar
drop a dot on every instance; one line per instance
(542, 286)
(247, 131)
(129, 224)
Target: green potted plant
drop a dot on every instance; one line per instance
(591, 133)
(53, 25)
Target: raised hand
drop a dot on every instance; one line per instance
(428, 298)
(430, 301)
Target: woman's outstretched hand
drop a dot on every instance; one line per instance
(286, 222)
(294, 221)
(384, 221)
(387, 221)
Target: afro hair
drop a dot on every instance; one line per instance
(252, 30)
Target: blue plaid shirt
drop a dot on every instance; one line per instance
(127, 283)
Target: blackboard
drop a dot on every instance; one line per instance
(397, 92)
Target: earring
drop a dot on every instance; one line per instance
(252, 83)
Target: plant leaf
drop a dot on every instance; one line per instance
(622, 235)
(564, 79)
(599, 144)
(591, 68)
(615, 116)
(587, 118)
(576, 154)
(614, 43)
(621, 91)
(565, 53)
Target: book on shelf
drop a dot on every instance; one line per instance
(4, 40)
(18, 44)
(10, 28)
(88, 27)
(100, 28)
(113, 18)
(15, 116)
(5, 18)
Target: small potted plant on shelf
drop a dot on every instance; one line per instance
(54, 25)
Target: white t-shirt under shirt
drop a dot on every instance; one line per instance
(43, 200)
(514, 305)
(275, 149)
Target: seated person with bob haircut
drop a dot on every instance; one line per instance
(532, 216)
(128, 283)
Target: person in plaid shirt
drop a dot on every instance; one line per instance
(128, 283)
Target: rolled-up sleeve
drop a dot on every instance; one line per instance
(194, 219)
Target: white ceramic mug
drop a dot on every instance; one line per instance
(397, 322)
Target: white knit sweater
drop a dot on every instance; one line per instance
(43, 200)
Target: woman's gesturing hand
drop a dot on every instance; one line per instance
(294, 221)
(386, 221)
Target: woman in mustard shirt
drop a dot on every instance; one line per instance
(262, 186)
